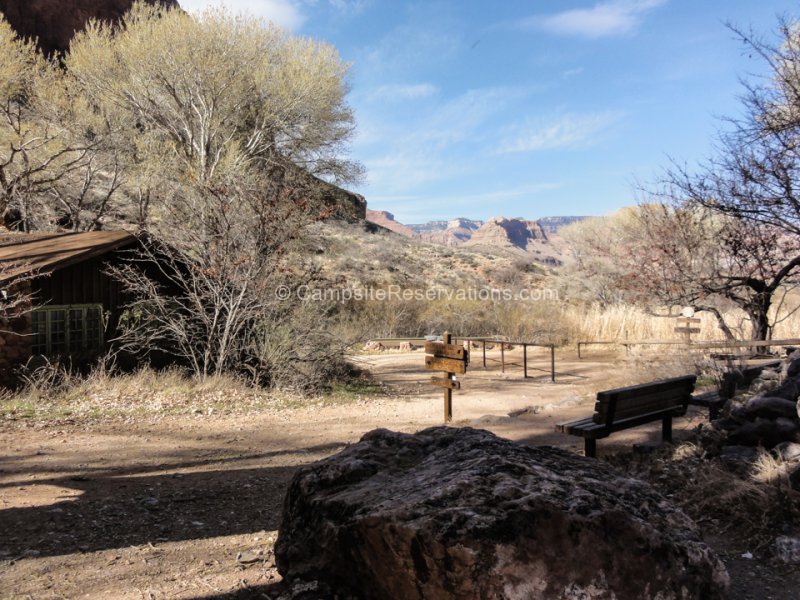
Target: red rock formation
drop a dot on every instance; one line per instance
(54, 22)
(501, 232)
(386, 219)
(454, 233)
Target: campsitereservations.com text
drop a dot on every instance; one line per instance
(307, 293)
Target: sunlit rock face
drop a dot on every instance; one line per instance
(461, 513)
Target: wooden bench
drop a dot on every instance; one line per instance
(730, 382)
(628, 407)
(713, 401)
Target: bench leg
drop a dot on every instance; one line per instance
(666, 429)
(590, 447)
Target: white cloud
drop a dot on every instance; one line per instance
(281, 12)
(404, 92)
(567, 131)
(403, 169)
(402, 156)
(615, 17)
(410, 47)
(350, 7)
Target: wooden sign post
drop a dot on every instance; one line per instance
(687, 326)
(452, 359)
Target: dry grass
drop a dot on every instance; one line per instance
(623, 323)
(770, 469)
(755, 505)
(102, 395)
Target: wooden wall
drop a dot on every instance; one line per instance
(82, 283)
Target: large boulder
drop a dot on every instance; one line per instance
(790, 390)
(460, 513)
(764, 432)
(770, 407)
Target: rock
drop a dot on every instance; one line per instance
(449, 233)
(764, 432)
(53, 22)
(737, 411)
(791, 367)
(787, 429)
(460, 513)
(500, 232)
(787, 549)
(726, 424)
(788, 390)
(770, 375)
(794, 478)
(248, 557)
(787, 451)
(373, 346)
(406, 347)
(763, 386)
(770, 407)
(738, 458)
(387, 220)
(527, 411)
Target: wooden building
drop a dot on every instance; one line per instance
(72, 305)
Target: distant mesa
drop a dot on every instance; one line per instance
(535, 237)
(448, 233)
(386, 219)
(553, 224)
(53, 23)
(499, 232)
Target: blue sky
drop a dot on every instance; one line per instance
(479, 109)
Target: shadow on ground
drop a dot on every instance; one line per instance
(117, 510)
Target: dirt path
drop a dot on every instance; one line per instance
(188, 506)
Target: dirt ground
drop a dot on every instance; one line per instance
(189, 506)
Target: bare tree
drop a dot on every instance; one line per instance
(221, 93)
(55, 168)
(745, 196)
(660, 256)
(213, 295)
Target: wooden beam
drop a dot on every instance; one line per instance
(446, 382)
(451, 365)
(443, 350)
(448, 393)
(687, 330)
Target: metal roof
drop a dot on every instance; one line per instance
(30, 254)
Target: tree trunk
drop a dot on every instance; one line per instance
(758, 312)
(726, 331)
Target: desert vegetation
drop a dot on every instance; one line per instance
(213, 151)
(719, 236)
(207, 136)
(165, 466)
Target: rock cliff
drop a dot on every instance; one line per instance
(54, 22)
(501, 232)
(387, 220)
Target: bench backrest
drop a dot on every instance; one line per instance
(742, 378)
(638, 400)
